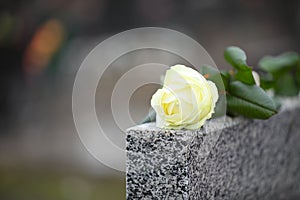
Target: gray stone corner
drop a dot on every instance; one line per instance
(226, 159)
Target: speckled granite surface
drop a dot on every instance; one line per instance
(227, 159)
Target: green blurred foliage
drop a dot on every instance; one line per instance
(23, 184)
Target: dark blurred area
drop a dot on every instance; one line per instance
(42, 44)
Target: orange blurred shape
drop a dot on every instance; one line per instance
(45, 43)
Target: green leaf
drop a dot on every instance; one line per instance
(250, 101)
(213, 75)
(245, 76)
(220, 107)
(208, 70)
(236, 57)
(151, 117)
(286, 85)
(237, 106)
(277, 102)
(298, 77)
(267, 81)
(283, 62)
(225, 78)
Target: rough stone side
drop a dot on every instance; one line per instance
(252, 160)
(157, 164)
(238, 159)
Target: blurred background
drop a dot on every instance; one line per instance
(42, 44)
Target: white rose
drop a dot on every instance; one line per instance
(186, 100)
